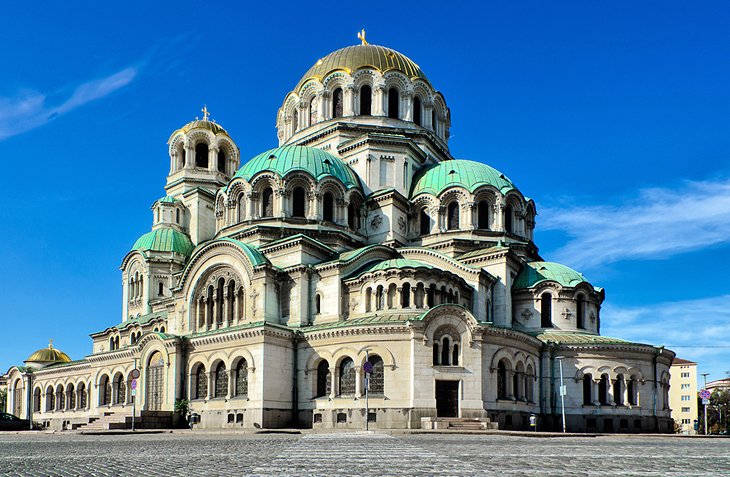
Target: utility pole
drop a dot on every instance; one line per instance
(704, 375)
(563, 391)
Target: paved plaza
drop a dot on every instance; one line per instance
(358, 454)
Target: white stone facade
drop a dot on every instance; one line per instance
(262, 291)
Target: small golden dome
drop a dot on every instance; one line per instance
(48, 355)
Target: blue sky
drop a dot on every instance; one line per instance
(613, 116)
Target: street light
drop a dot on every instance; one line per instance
(704, 375)
(563, 391)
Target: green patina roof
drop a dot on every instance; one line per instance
(578, 338)
(364, 321)
(316, 162)
(536, 272)
(165, 239)
(253, 254)
(467, 174)
(168, 199)
(392, 263)
(142, 319)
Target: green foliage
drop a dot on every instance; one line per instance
(181, 406)
(3, 399)
(718, 419)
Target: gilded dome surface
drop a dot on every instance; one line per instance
(48, 355)
(211, 126)
(467, 174)
(352, 58)
(315, 162)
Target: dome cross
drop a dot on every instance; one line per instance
(361, 37)
(206, 113)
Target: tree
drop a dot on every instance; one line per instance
(717, 412)
(3, 399)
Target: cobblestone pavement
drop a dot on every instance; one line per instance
(358, 454)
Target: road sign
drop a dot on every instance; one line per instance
(705, 394)
(563, 390)
(134, 392)
(368, 367)
(135, 373)
(533, 420)
(134, 384)
(705, 402)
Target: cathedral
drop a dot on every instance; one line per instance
(357, 274)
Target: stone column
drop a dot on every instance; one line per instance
(212, 159)
(226, 304)
(609, 391)
(426, 108)
(594, 393)
(189, 157)
(378, 106)
(358, 382)
(333, 382)
(469, 212)
(206, 312)
(510, 384)
(215, 309)
(323, 112)
(231, 383)
(406, 106)
(348, 108)
(210, 376)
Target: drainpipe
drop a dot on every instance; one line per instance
(657, 352)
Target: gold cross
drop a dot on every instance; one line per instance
(50, 343)
(205, 112)
(361, 36)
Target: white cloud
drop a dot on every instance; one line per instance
(698, 330)
(658, 223)
(29, 110)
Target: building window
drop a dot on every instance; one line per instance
(417, 110)
(328, 206)
(686, 398)
(242, 378)
(685, 409)
(603, 390)
(160, 289)
(483, 215)
(324, 379)
(347, 377)
(337, 103)
(82, 396)
(580, 312)
(201, 155)
(201, 383)
(222, 161)
(393, 103)
(453, 216)
(267, 203)
(298, 202)
(425, 222)
(501, 380)
(631, 391)
(221, 381)
(377, 377)
(366, 100)
(587, 390)
(546, 310)
(685, 386)
(508, 219)
(618, 390)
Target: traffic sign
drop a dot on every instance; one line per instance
(134, 384)
(368, 367)
(705, 394)
(134, 392)
(705, 402)
(135, 373)
(563, 390)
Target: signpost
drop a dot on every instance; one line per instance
(563, 389)
(135, 376)
(705, 395)
(368, 368)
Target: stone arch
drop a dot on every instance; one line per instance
(317, 356)
(341, 353)
(385, 354)
(502, 354)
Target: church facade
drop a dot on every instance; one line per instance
(269, 288)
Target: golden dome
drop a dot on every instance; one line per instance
(352, 58)
(48, 355)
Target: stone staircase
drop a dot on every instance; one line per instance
(109, 420)
(458, 423)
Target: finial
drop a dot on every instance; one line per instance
(361, 36)
(50, 343)
(205, 112)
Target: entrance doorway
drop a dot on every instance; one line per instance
(447, 398)
(155, 382)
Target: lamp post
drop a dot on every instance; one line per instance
(562, 389)
(704, 375)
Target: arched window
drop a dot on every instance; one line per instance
(60, 398)
(105, 391)
(453, 216)
(546, 310)
(313, 111)
(37, 400)
(393, 103)
(501, 380)
(267, 203)
(82, 396)
(201, 383)
(377, 376)
(425, 222)
(405, 295)
(221, 381)
(160, 289)
(368, 300)
(318, 304)
(324, 380)
(445, 352)
(347, 377)
(162, 329)
(417, 110)
(516, 385)
(120, 389)
(294, 120)
(631, 391)
(528, 384)
(379, 298)
(201, 155)
(177, 216)
(391, 295)
(587, 390)
(436, 354)
(508, 219)
(242, 378)
(71, 396)
(483, 215)
(433, 121)
(366, 100)
(298, 202)
(431, 296)
(220, 298)
(183, 156)
(111, 343)
(50, 399)
(455, 355)
(337, 103)
(618, 390)
(352, 217)
(603, 390)
(328, 207)
(580, 311)
(221, 161)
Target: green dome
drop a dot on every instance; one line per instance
(168, 199)
(164, 239)
(467, 174)
(398, 263)
(352, 58)
(536, 272)
(315, 162)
